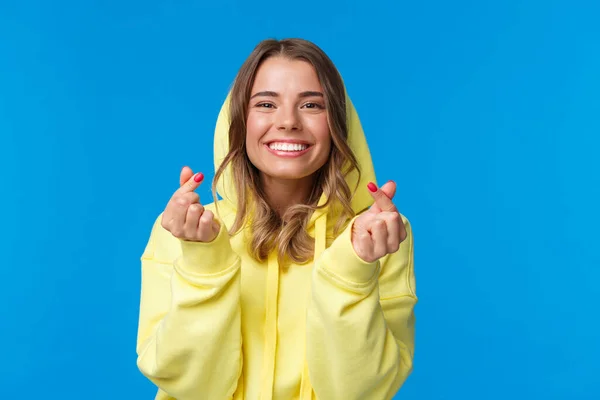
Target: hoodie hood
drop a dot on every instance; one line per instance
(356, 140)
(320, 225)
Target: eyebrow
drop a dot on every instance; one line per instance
(269, 93)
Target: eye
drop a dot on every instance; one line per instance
(265, 105)
(314, 106)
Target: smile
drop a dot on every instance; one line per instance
(288, 149)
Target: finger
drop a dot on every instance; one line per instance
(389, 189)
(363, 223)
(374, 209)
(393, 224)
(178, 211)
(206, 227)
(381, 199)
(185, 175)
(216, 227)
(361, 238)
(363, 244)
(190, 197)
(177, 208)
(207, 218)
(191, 184)
(192, 218)
(379, 234)
(175, 213)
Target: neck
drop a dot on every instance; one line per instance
(283, 193)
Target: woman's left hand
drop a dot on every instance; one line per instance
(380, 230)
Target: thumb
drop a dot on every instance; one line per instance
(389, 189)
(185, 175)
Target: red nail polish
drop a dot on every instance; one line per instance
(372, 187)
(199, 176)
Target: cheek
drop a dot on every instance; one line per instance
(253, 129)
(256, 127)
(320, 130)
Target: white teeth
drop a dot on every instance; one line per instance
(288, 146)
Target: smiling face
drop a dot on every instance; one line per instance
(287, 133)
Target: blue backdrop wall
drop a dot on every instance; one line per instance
(485, 112)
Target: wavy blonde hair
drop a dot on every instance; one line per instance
(269, 230)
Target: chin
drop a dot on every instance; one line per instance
(287, 174)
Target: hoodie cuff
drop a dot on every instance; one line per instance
(207, 258)
(341, 260)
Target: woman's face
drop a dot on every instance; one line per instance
(287, 133)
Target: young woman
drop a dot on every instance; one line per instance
(298, 283)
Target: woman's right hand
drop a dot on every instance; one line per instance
(184, 216)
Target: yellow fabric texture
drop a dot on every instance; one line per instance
(216, 324)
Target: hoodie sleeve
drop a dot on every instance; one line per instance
(189, 334)
(360, 322)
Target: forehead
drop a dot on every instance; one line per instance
(281, 74)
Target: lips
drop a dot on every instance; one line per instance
(287, 146)
(288, 149)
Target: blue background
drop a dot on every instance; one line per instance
(486, 113)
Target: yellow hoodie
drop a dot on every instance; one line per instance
(215, 324)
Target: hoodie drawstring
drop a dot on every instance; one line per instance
(306, 389)
(272, 300)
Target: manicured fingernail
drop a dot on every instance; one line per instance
(372, 187)
(198, 177)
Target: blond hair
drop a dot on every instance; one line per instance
(268, 230)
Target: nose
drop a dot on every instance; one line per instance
(288, 120)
